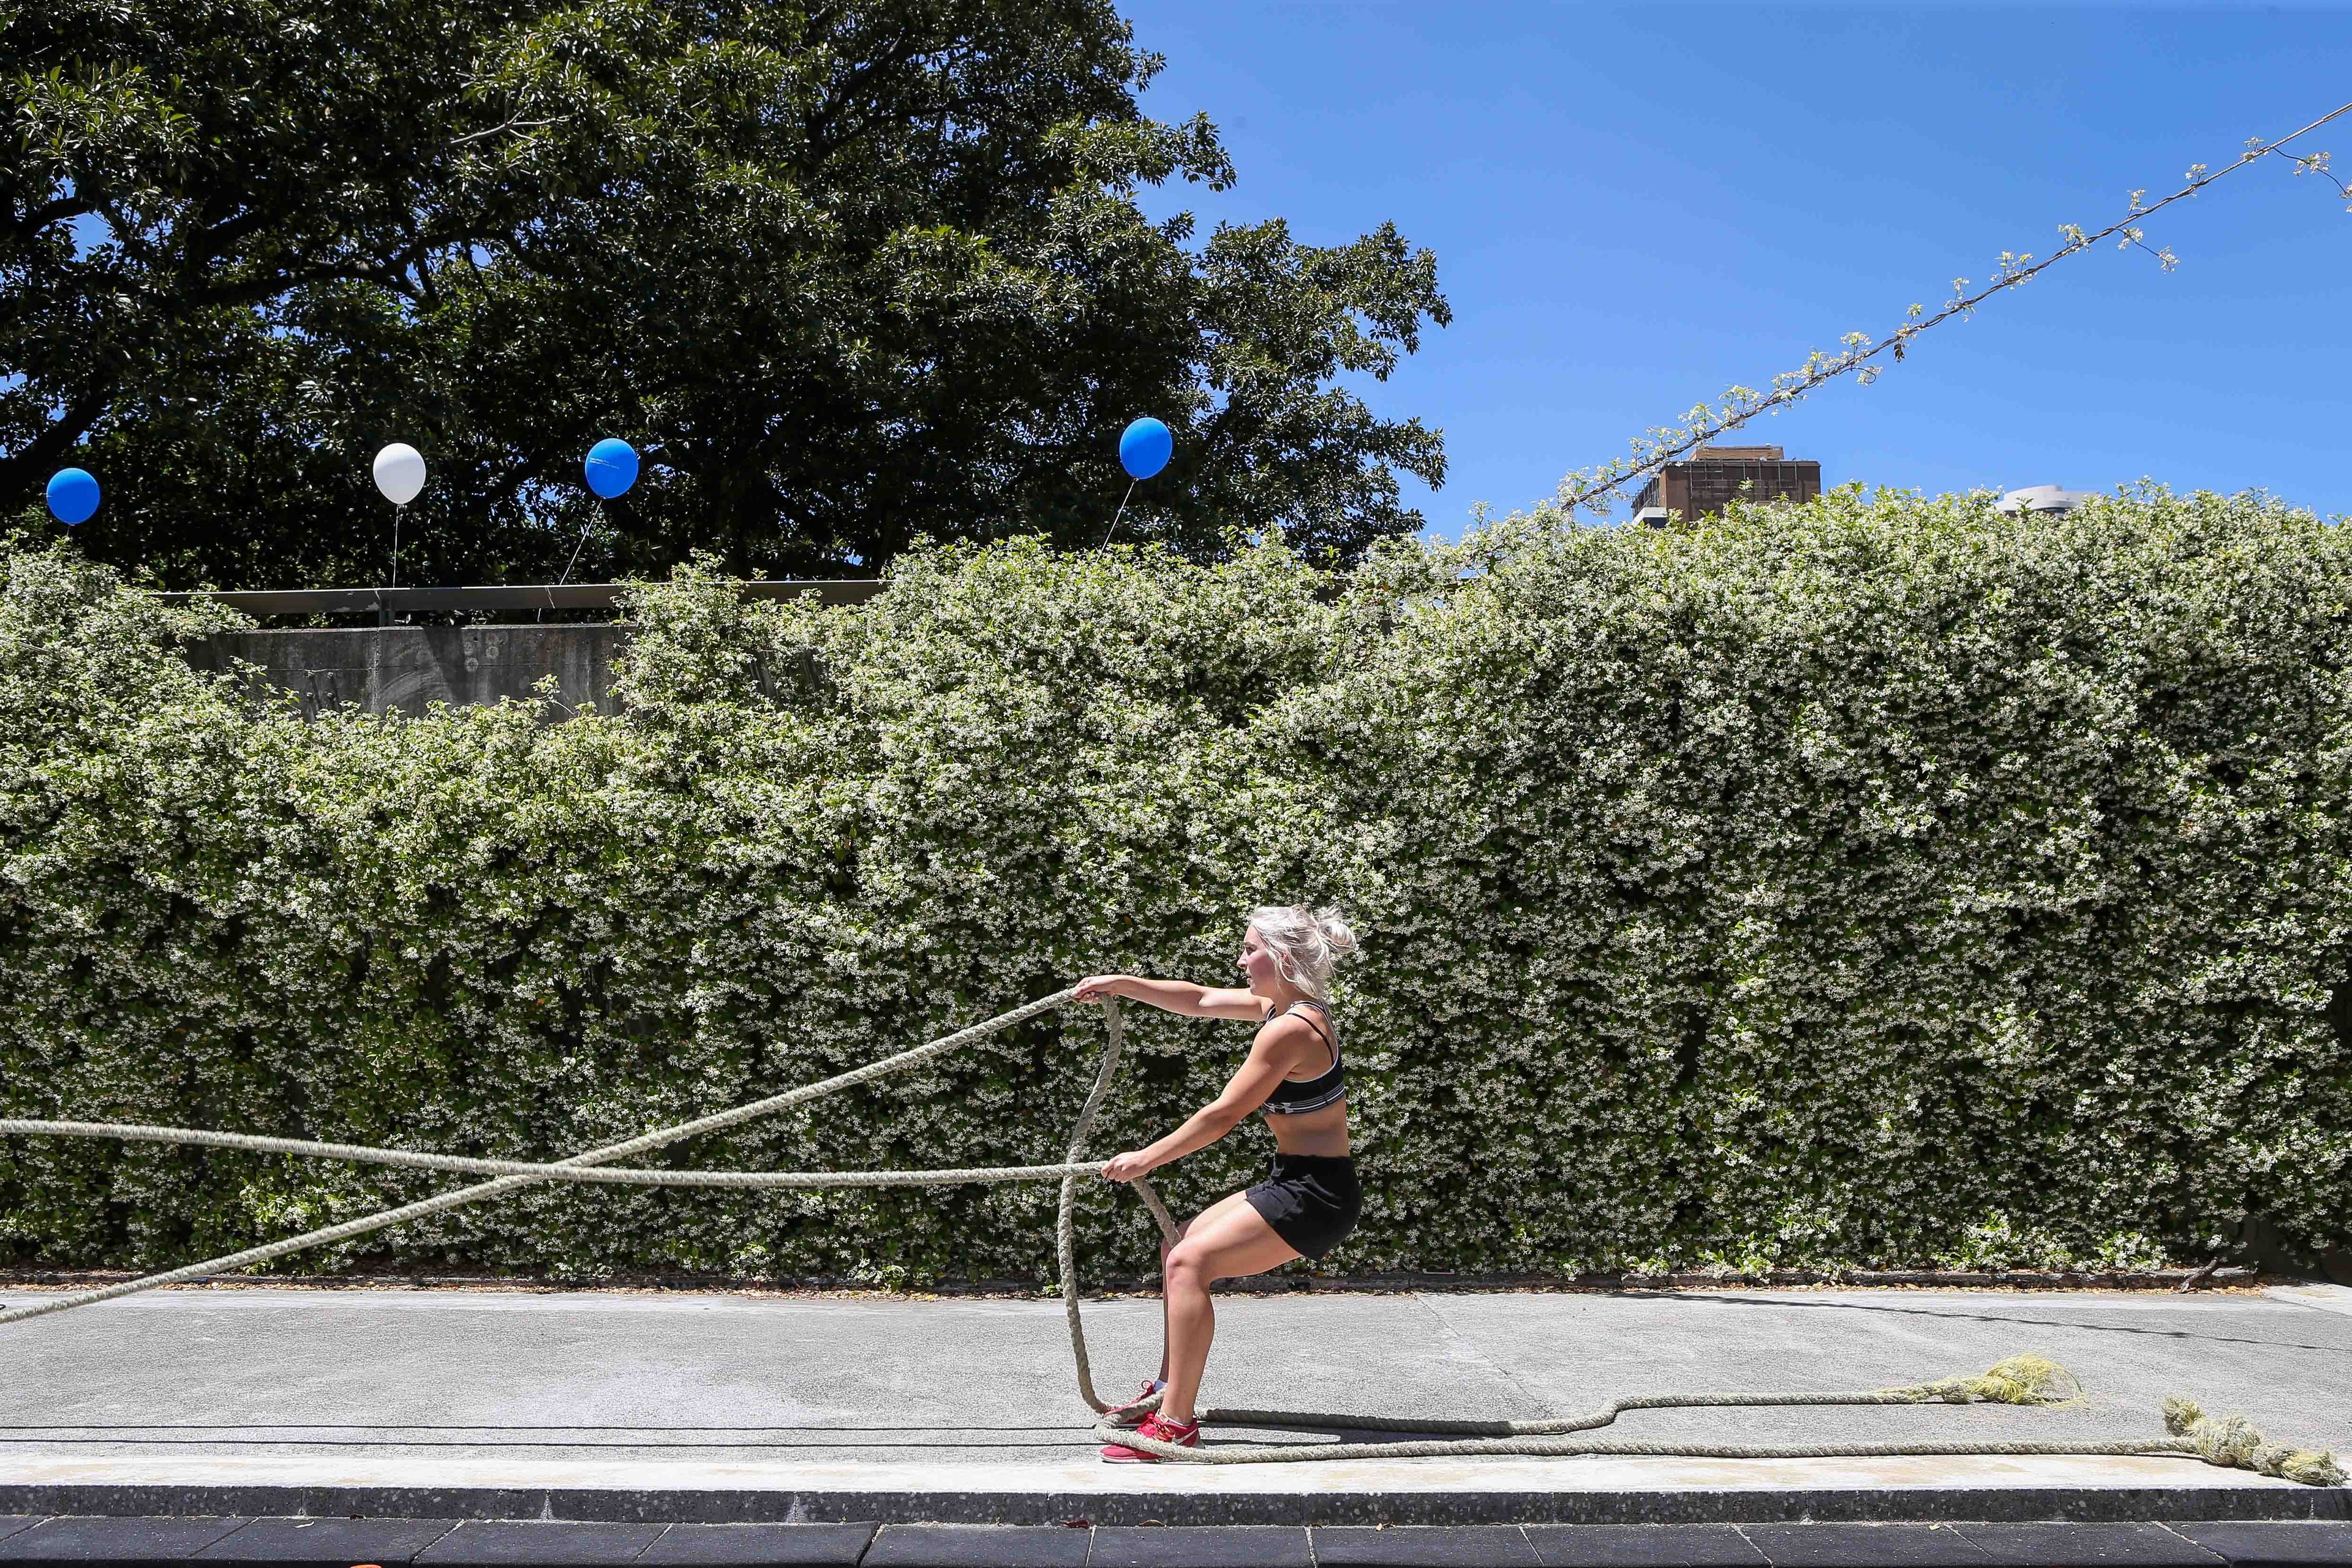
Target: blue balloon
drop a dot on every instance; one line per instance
(1144, 448)
(73, 495)
(611, 467)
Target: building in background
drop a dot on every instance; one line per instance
(1716, 475)
(2043, 498)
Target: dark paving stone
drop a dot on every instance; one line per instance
(11, 1523)
(329, 1543)
(753, 1545)
(1642, 1545)
(1201, 1546)
(979, 1546)
(123, 1542)
(1423, 1546)
(1865, 1546)
(2087, 1545)
(2288, 1543)
(540, 1544)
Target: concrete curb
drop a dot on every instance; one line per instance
(1997, 1504)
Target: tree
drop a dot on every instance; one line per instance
(845, 274)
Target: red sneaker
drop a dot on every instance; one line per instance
(1135, 1409)
(1160, 1429)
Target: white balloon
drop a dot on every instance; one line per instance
(400, 472)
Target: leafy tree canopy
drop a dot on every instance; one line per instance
(845, 274)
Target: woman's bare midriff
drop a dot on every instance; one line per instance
(1323, 1130)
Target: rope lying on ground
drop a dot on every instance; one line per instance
(2020, 1380)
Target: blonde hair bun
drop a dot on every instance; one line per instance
(1307, 944)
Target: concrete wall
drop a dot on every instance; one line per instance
(383, 667)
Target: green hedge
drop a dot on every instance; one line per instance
(1877, 882)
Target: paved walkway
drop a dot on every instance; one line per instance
(447, 1543)
(619, 1392)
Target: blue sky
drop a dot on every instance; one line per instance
(1632, 210)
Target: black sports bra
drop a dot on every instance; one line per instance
(1293, 1096)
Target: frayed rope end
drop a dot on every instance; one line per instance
(2234, 1442)
(2019, 1380)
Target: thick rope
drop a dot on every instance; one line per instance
(2020, 1380)
(1578, 1447)
(2023, 1379)
(504, 1184)
(361, 1154)
(1066, 1226)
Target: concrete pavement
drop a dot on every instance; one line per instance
(602, 1404)
(233, 1542)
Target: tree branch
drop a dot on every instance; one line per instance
(38, 218)
(821, 123)
(215, 242)
(23, 471)
(509, 125)
(252, 290)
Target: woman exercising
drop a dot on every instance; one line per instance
(1309, 1199)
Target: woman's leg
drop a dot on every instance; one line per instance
(1222, 1206)
(1167, 1247)
(1223, 1244)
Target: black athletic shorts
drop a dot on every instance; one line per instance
(1310, 1200)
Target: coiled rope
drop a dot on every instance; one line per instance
(2231, 1441)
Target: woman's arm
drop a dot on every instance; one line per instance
(1276, 1051)
(1174, 996)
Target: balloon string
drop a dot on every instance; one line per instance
(1117, 515)
(397, 512)
(575, 557)
(568, 565)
